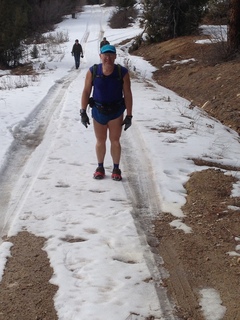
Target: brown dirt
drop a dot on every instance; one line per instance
(25, 291)
(196, 260)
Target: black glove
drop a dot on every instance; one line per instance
(91, 102)
(81, 55)
(128, 122)
(84, 118)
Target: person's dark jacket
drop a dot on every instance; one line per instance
(77, 49)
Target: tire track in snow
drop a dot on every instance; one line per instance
(99, 24)
(142, 191)
(28, 139)
(28, 136)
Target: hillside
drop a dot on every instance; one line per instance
(205, 80)
(200, 260)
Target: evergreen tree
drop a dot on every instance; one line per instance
(166, 19)
(21, 18)
(13, 28)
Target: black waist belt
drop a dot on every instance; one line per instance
(108, 108)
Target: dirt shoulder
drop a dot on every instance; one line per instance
(200, 259)
(25, 290)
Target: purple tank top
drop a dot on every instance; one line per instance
(108, 89)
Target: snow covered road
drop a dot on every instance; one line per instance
(99, 233)
(108, 271)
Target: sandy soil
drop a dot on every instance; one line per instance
(194, 261)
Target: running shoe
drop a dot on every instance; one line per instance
(116, 175)
(99, 173)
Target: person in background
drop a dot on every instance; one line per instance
(77, 52)
(111, 96)
(104, 42)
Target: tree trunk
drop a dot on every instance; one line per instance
(234, 26)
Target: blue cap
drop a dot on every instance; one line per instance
(108, 49)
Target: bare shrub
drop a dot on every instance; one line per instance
(122, 18)
(136, 43)
(57, 38)
(19, 81)
(217, 40)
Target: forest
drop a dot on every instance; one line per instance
(21, 20)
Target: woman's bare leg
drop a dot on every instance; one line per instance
(101, 137)
(115, 130)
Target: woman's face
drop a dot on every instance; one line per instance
(108, 58)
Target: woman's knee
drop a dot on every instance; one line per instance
(115, 143)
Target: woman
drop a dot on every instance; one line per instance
(112, 95)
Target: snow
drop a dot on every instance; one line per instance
(99, 253)
(211, 299)
(216, 33)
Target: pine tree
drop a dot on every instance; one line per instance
(13, 26)
(21, 18)
(166, 19)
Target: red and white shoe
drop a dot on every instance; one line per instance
(116, 175)
(99, 173)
